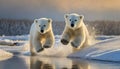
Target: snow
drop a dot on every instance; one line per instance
(21, 46)
(59, 50)
(107, 48)
(5, 55)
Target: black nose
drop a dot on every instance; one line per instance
(42, 31)
(72, 25)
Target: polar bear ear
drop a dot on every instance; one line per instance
(49, 20)
(66, 15)
(81, 17)
(36, 21)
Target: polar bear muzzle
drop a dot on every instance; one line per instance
(42, 31)
(72, 24)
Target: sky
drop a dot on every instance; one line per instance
(55, 9)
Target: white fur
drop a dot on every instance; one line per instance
(77, 35)
(38, 39)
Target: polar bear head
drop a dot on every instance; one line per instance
(74, 20)
(43, 25)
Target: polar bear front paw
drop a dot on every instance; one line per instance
(46, 46)
(33, 54)
(39, 50)
(65, 42)
(74, 45)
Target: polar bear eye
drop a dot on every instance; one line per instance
(39, 25)
(75, 20)
(44, 25)
(70, 19)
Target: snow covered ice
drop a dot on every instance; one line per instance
(5, 55)
(108, 48)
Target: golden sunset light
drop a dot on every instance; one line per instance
(93, 9)
(59, 34)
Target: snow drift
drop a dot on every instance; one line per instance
(108, 50)
(5, 55)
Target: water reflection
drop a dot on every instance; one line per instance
(56, 63)
(38, 62)
(16, 62)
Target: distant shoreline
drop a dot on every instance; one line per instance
(22, 26)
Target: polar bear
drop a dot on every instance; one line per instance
(41, 35)
(75, 32)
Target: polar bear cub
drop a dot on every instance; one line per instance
(75, 31)
(41, 35)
